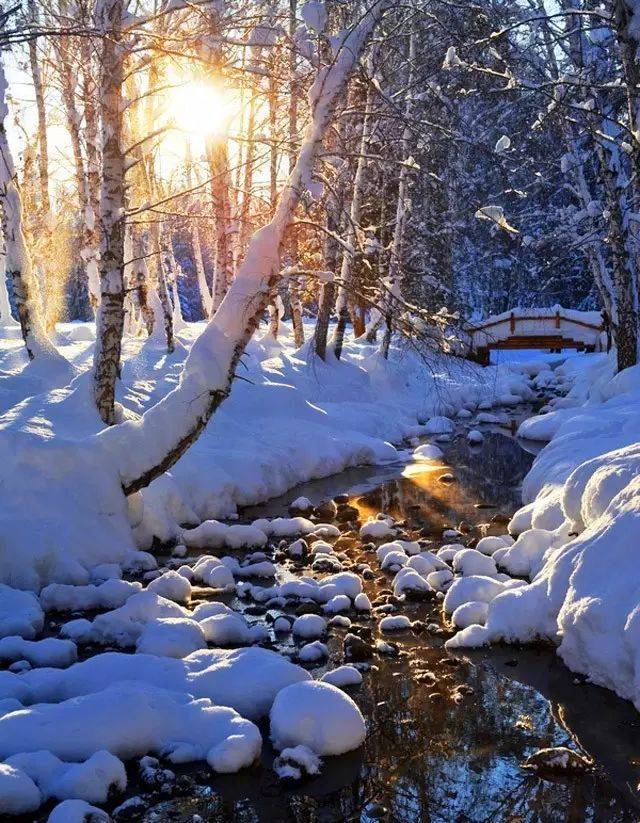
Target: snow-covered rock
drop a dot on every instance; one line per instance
(318, 716)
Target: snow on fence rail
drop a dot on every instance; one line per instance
(537, 328)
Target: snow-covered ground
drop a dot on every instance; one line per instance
(290, 418)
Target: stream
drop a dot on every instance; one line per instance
(446, 735)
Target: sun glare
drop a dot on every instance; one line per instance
(202, 109)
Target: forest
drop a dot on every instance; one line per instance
(319, 383)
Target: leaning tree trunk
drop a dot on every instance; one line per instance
(174, 423)
(110, 318)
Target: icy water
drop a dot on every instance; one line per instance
(446, 736)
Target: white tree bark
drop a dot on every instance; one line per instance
(19, 267)
(110, 318)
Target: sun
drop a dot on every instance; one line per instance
(202, 108)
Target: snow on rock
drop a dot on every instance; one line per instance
(111, 594)
(469, 613)
(295, 762)
(49, 651)
(427, 451)
(395, 623)
(409, 581)
(475, 437)
(91, 780)
(310, 626)
(439, 425)
(172, 586)
(473, 562)
(214, 573)
(473, 587)
(312, 652)
(18, 793)
(526, 556)
(212, 534)
(376, 530)
(128, 719)
(316, 715)
(171, 637)
(231, 629)
(337, 604)
(489, 545)
(123, 626)
(247, 680)
(77, 811)
(284, 526)
(343, 676)
(20, 613)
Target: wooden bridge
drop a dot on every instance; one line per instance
(552, 329)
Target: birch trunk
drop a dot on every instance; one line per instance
(395, 261)
(19, 267)
(294, 288)
(110, 319)
(346, 271)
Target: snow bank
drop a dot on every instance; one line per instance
(578, 534)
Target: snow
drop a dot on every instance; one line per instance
(577, 534)
(20, 613)
(309, 626)
(471, 561)
(172, 637)
(294, 762)
(18, 793)
(123, 626)
(312, 652)
(395, 623)
(470, 613)
(231, 629)
(47, 652)
(343, 676)
(91, 780)
(172, 586)
(316, 715)
(376, 530)
(314, 419)
(128, 719)
(244, 679)
(77, 811)
(427, 451)
(214, 535)
(111, 594)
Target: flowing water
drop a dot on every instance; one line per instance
(446, 736)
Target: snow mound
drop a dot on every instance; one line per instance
(247, 680)
(127, 719)
(20, 613)
(318, 716)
